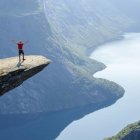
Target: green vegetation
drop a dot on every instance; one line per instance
(131, 132)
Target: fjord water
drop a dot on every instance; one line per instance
(123, 66)
(122, 59)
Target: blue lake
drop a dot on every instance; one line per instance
(122, 59)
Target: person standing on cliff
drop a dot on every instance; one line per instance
(20, 45)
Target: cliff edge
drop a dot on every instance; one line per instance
(14, 72)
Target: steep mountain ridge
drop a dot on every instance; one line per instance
(68, 82)
(85, 23)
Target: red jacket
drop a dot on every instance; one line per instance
(20, 46)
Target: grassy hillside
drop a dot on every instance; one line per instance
(131, 132)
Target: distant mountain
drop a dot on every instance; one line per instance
(130, 8)
(65, 31)
(131, 132)
(86, 23)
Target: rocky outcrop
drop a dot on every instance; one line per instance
(13, 72)
(131, 132)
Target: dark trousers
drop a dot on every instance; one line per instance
(21, 52)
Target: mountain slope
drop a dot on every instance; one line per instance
(130, 8)
(68, 82)
(85, 23)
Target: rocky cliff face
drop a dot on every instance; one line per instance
(13, 72)
(68, 82)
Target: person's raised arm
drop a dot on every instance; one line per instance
(27, 41)
(14, 41)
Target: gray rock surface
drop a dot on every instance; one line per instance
(13, 72)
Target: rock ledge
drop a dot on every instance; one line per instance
(14, 72)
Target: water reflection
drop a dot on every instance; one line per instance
(41, 126)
